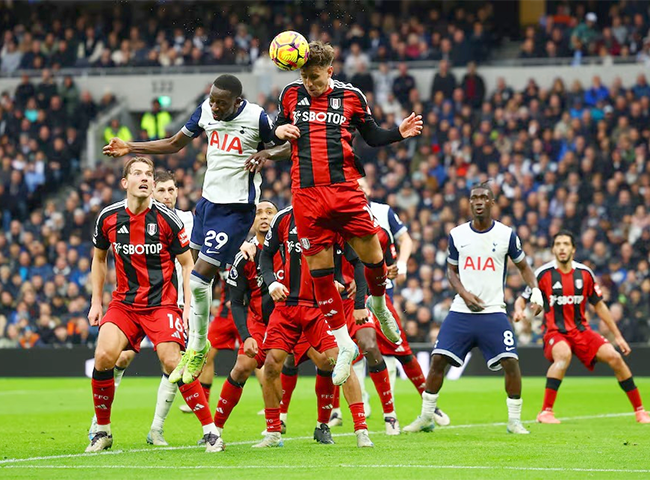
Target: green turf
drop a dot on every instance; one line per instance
(49, 417)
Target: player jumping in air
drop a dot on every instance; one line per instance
(234, 128)
(317, 115)
(477, 262)
(567, 286)
(146, 237)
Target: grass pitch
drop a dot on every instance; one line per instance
(43, 426)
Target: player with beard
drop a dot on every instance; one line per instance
(567, 286)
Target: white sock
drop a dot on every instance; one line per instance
(378, 303)
(199, 312)
(283, 417)
(118, 373)
(391, 414)
(514, 408)
(429, 402)
(360, 370)
(337, 411)
(342, 336)
(210, 428)
(104, 428)
(164, 401)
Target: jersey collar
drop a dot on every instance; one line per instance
(236, 114)
(484, 231)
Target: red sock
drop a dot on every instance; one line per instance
(195, 399)
(324, 395)
(630, 389)
(336, 401)
(550, 393)
(272, 416)
(230, 394)
(358, 416)
(289, 379)
(206, 390)
(413, 370)
(379, 376)
(376, 278)
(103, 385)
(329, 298)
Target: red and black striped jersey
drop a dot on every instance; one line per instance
(247, 284)
(565, 296)
(294, 273)
(323, 153)
(145, 247)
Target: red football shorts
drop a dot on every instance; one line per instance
(386, 347)
(223, 334)
(323, 212)
(257, 329)
(584, 345)
(160, 324)
(288, 323)
(353, 328)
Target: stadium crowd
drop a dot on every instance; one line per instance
(558, 156)
(107, 35)
(613, 30)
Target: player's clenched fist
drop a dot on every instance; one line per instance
(95, 314)
(411, 126)
(278, 292)
(288, 132)
(116, 148)
(250, 347)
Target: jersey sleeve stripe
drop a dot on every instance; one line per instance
(280, 215)
(110, 208)
(169, 215)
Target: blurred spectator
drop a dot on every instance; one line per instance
(155, 122)
(444, 81)
(116, 129)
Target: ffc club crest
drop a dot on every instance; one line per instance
(335, 103)
(152, 229)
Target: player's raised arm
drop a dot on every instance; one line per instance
(118, 147)
(187, 264)
(255, 162)
(98, 272)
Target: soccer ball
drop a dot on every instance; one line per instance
(289, 50)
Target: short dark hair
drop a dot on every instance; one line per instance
(130, 162)
(564, 233)
(482, 186)
(268, 201)
(320, 55)
(162, 176)
(229, 83)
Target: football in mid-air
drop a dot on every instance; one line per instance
(289, 50)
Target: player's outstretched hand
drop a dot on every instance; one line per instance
(116, 148)
(250, 347)
(278, 291)
(95, 314)
(360, 316)
(411, 126)
(248, 250)
(255, 162)
(472, 301)
(288, 132)
(622, 344)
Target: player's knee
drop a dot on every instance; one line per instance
(510, 365)
(372, 353)
(438, 364)
(272, 366)
(105, 359)
(240, 372)
(615, 360)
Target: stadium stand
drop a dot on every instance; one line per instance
(558, 156)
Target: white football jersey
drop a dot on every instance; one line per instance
(188, 222)
(482, 260)
(388, 219)
(230, 143)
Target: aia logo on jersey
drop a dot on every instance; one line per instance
(226, 143)
(479, 263)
